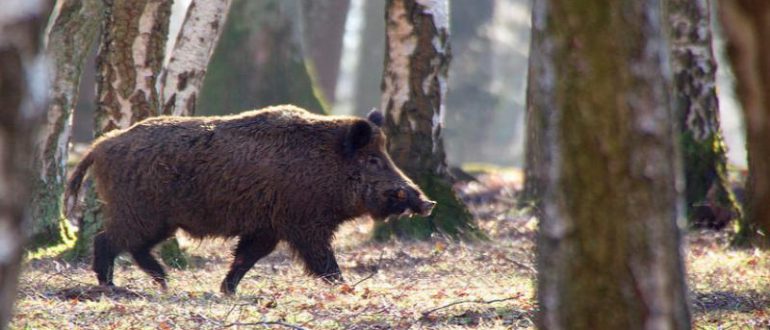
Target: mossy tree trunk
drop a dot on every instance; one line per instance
(259, 61)
(130, 58)
(414, 82)
(746, 24)
(183, 76)
(708, 198)
(608, 238)
(74, 28)
(323, 26)
(23, 102)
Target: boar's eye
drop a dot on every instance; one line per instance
(375, 162)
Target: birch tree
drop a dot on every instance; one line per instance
(697, 110)
(23, 101)
(74, 28)
(414, 92)
(608, 238)
(746, 29)
(183, 76)
(130, 58)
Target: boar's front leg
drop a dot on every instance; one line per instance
(314, 247)
(250, 249)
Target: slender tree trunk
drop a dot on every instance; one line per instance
(259, 61)
(182, 78)
(707, 195)
(130, 57)
(23, 101)
(414, 81)
(608, 238)
(537, 117)
(367, 91)
(73, 31)
(746, 24)
(323, 26)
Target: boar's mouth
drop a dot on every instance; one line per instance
(406, 202)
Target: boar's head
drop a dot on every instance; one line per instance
(384, 190)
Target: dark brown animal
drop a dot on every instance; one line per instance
(277, 174)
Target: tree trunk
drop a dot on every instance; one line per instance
(23, 101)
(134, 34)
(414, 81)
(367, 91)
(537, 117)
(182, 77)
(323, 25)
(708, 197)
(471, 106)
(746, 24)
(258, 61)
(608, 235)
(74, 30)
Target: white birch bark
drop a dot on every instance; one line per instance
(183, 76)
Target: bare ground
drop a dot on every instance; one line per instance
(438, 284)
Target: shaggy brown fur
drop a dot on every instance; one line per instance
(277, 174)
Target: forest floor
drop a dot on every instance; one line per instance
(438, 284)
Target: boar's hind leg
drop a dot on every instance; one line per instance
(250, 249)
(149, 264)
(319, 258)
(104, 258)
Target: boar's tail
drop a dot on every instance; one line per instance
(75, 181)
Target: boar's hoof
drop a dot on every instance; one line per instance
(333, 279)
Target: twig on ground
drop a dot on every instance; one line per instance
(286, 325)
(374, 271)
(475, 301)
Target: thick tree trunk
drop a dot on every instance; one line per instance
(258, 61)
(23, 102)
(323, 26)
(134, 34)
(746, 24)
(707, 195)
(608, 237)
(471, 105)
(74, 28)
(182, 77)
(367, 91)
(414, 81)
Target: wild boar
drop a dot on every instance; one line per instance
(270, 175)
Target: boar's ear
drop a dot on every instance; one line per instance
(375, 117)
(358, 135)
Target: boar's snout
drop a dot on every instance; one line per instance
(406, 201)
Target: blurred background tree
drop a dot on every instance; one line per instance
(611, 205)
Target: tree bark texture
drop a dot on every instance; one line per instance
(23, 101)
(323, 26)
(746, 25)
(414, 91)
(538, 112)
(259, 61)
(709, 200)
(471, 105)
(74, 28)
(129, 61)
(182, 77)
(609, 239)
